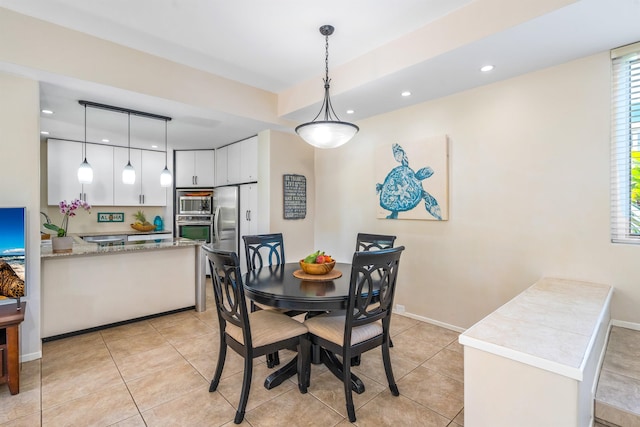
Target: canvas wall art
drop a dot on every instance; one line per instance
(412, 180)
(12, 253)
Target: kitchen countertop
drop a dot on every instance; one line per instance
(82, 248)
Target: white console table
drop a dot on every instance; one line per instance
(534, 361)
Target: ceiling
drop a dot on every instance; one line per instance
(276, 46)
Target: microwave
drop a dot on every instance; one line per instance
(194, 205)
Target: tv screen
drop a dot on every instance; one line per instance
(12, 251)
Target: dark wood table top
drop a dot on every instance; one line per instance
(276, 286)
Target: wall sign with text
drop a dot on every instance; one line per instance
(110, 216)
(295, 196)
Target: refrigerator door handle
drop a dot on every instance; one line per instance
(216, 228)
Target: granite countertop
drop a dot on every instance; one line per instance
(82, 248)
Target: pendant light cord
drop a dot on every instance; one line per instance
(165, 144)
(129, 137)
(84, 147)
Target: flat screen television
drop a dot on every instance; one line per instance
(13, 239)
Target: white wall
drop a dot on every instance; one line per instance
(20, 177)
(529, 194)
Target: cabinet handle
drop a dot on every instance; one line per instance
(196, 179)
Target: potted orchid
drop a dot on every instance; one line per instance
(63, 243)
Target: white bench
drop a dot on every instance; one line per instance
(534, 361)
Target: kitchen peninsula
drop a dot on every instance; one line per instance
(98, 285)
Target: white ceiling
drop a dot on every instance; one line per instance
(275, 45)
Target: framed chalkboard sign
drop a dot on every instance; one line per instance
(295, 196)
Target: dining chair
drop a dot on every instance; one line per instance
(363, 326)
(250, 334)
(370, 242)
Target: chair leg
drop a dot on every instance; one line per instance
(355, 360)
(346, 380)
(386, 359)
(222, 355)
(273, 359)
(304, 364)
(246, 387)
(390, 342)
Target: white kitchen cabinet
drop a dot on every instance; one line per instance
(249, 159)
(146, 190)
(234, 159)
(248, 214)
(63, 160)
(221, 166)
(195, 168)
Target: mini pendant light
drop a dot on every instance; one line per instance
(85, 172)
(129, 173)
(165, 176)
(330, 132)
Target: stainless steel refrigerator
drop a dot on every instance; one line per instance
(226, 206)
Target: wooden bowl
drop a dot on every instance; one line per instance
(141, 227)
(317, 268)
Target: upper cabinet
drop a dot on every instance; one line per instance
(195, 168)
(64, 158)
(240, 162)
(146, 190)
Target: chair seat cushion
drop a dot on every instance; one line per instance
(331, 327)
(267, 327)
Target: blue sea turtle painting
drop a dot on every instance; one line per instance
(402, 189)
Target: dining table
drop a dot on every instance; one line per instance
(285, 286)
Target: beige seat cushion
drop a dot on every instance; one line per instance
(331, 327)
(267, 327)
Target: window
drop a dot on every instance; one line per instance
(625, 145)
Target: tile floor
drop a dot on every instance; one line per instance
(157, 373)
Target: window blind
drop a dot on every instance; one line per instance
(625, 145)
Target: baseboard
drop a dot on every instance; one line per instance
(628, 325)
(431, 321)
(30, 356)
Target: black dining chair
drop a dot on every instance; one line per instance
(363, 326)
(250, 334)
(371, 242)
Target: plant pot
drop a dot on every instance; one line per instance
(62, 245)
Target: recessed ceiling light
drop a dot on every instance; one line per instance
(47, 112)
(154, 146)
(44, 132)
(105, 140)
(406, 93)
(486, 68)
(350, 111)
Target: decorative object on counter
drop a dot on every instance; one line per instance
(330, 132)
(141, 223)
(110, 216)
(407, 193)
(129, 173)
(85, 171)
(157, 221)
(63, 243)
(294, 196)
(165, 176)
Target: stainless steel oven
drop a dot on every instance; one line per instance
(195, 227)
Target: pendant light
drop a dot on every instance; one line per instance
(85, 171)
(329, 132)
(165, 177)
(129, 173)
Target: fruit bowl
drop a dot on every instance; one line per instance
(317, 268)
(142, 227)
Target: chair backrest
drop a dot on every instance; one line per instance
(228, 291)
(373, 278)
(263, 249)
(372, 242)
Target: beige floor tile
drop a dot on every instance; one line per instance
(85, 359)
(459, 419)
(186, 328)
(456, 346)
(618, 391)
(135, 421)
(26, 402)
(389, 410)
(126, 331)
(447, 362)
(401, 323)
(231, 386)
(68, 384)
(31, 420)
(615, 416)
(124, 347)
(67, 346)
(197, 408)
(203, 344)
(429, 333)
(170, 319)
(372, 366)
(103, 408)
(293, 409)
(433, 390)
(329, 390)
(416, 350)
(160, 387)
(141, 364)
(30, 373)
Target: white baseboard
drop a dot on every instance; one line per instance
(431, 321)
(628, 325)
(30, 356)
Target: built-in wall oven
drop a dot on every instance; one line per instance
(195, 227)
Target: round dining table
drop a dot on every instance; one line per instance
(278, 287)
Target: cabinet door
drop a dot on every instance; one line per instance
(221, 166)
(205, 168)
(248, 215)
(63, 159)
(124, 194)
(249, 159)
(100, 191)
(152, 164)
(185, 169)
(233, 163)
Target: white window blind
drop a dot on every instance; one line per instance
(625, 145)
